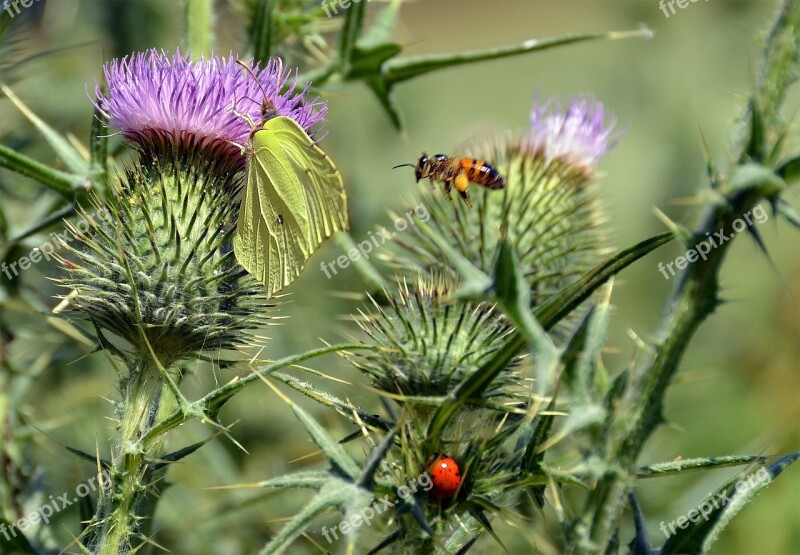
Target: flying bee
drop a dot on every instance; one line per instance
(452, 170)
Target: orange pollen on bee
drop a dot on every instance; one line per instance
(461, 181)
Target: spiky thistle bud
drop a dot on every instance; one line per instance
(487, 484)
(547, 210)
(430, 346)
(160, 269)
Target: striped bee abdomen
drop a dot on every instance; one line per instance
(482, 173)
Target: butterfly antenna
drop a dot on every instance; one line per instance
(252, 73)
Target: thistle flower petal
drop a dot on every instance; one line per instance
(157, 100)
(580, 135)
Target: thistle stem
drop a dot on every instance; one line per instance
(200, 27)
(117, 510)
(694, 298)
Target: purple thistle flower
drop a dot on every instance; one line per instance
(156, 101)
(580, 136)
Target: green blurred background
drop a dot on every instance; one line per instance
(738, 391)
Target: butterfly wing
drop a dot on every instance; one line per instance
(294, 200)
(325, 200)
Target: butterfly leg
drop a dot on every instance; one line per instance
(241, 147)
(245, 117)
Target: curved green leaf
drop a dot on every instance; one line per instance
(548, 315)
(60, 182)
(696, 531)
(407, 68)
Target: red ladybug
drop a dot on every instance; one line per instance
(446, 477)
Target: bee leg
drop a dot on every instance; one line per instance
(465, 195)
(433, 183)
(448, 184)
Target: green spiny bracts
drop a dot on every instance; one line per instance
(490, 448)
(546, 211)
(159, 268)
(429, 346)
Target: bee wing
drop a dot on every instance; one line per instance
(484, 144)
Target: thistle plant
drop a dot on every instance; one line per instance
(481, 347)
(159, 274)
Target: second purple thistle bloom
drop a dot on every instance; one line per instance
(157, 101)
(579, 135)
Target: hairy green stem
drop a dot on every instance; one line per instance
(10, 508)
(117, 510)
(200, 27)
(66, 184)
(204, 409)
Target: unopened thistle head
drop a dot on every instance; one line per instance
(160, 270)
(430, 347)
(546, 211)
